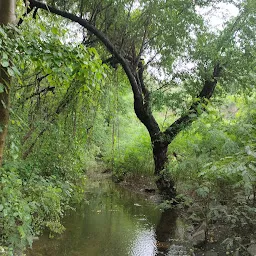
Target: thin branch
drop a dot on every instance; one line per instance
(141, 48)
(44, 90)
(153, 57)
(29, 9)
(64, 102)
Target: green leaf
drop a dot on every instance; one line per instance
(1, 88)
(42, 27)
(98, 76)
(21, 231)
(10, 71)
(5, 56)
(5, 63)
(55, 31)
(15, 70)
(193, 115)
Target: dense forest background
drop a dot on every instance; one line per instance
(137, 88)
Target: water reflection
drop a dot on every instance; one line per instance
(165, 231)
(144, 243)
(115, 222)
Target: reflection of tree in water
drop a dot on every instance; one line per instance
(165, 231)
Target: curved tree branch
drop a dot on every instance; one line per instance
(144, 116)
(103, 38)
(188, 118)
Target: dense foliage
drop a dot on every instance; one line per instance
(38, 183)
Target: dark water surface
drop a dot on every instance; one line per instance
(114, 222)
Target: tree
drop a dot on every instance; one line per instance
(7, 16)
(169, 32)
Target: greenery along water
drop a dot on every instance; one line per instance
(113, 222)
(74, 90)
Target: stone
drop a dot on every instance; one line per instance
(149, 190)
(252, 249)
(211, 253)
(199, 237)
(236, 253)
(178, 250)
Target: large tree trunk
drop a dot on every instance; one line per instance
(4, 111)
(7, 15)
(164, 183)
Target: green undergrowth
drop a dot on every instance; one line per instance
(38, 191)
(215, 167)
(135, 159)
(32, 202)
(127, 150)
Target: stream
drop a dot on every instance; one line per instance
(115, 222)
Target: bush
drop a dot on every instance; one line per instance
(216, 166)
(32, 202)
(134, 157)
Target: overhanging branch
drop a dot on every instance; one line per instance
(145, 116)
(102, 37)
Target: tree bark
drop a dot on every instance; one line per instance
(164, 182)
(7, 15)
(7, 11)
(4, 111)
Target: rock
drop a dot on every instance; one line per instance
(211, 253)
(190, 229)
(150, 190)
(236, 253)
(203, 226)
(156, 198)
(199, 237)
(252, 249)
(178, 250)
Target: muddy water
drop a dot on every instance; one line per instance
(114, 222)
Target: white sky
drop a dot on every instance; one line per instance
(217, 16)
(214, 17)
